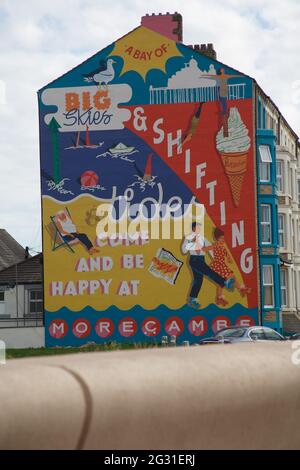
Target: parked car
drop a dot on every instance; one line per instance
(240, 334)
(295, 336)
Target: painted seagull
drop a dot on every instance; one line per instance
(103, 75)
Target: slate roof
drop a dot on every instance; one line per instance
(28, 271)
(11, 252)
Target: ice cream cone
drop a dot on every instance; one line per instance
(233, 143)
(235, 165)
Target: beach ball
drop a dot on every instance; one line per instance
(89, 178)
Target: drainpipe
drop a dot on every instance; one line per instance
(17, 295)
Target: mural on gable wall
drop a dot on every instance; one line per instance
(147, 121)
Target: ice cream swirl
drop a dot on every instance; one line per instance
(238, 139)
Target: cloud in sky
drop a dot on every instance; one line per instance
(41, 40)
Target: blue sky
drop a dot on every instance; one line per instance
(41, 40)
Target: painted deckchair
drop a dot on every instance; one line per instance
(57, 238)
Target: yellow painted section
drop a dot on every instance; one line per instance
(152, 291)
(144, 50)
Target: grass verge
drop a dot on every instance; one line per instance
(35, 352)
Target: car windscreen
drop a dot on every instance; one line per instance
(231, 333)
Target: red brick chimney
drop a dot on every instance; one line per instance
(169, 24)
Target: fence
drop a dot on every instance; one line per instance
(194, 95)
(27, 321)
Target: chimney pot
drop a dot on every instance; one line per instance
(208, 50)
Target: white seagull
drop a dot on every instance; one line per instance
(103, 75)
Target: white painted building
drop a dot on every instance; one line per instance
(21, 304)
(288, 190)
(288, 199)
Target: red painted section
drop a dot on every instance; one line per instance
(162, 24)
(148, 169)
(87, 136)
(202, 149)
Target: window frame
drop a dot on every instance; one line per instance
(265, 163)
(284, 287)
(271, 285)
(280, 176)
(293, 229)
(3, 302)
(37, 301)
(265, 172)
(264, 223)
(265, 157)
(282, 230)
(292, 183)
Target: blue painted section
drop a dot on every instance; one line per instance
(261, 115)
(155, 77)
(264, 118)
(162, 313)
(267, 137)
(113, 172)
